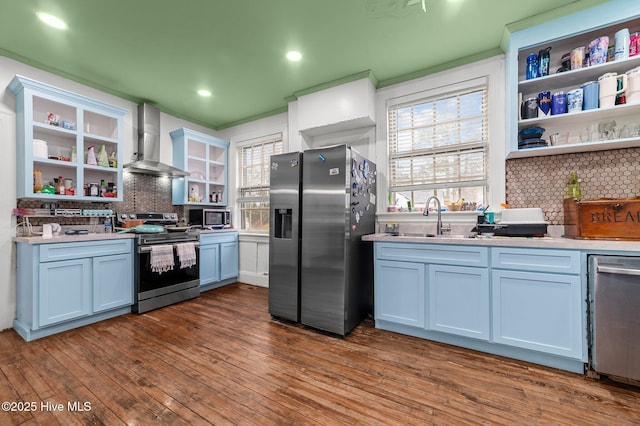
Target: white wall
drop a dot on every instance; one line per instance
(8, 69)
(253, 247)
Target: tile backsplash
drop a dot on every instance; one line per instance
(542, 181)
(142, 193)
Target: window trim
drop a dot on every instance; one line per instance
(240, 146)
(491, 69)
(435, 95)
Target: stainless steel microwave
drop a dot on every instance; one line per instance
(210, 218)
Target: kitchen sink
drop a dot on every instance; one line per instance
(434, 236)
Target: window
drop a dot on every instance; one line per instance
(253, 192)
(438, 146)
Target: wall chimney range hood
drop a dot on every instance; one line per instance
(148, 153)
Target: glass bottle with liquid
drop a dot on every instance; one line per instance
(37, 181)
(573, 189)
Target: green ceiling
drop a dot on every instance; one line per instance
(163, 51)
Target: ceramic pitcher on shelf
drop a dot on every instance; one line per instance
(609, 88)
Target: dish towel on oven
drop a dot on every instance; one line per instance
(161, 258)
(186, 254)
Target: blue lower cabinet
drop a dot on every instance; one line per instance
(495, 299)
(112, 282)
(64, 291)
(209, 263)
(400, 292)
(60, 286)
(228, 260)
(538, 311)
(218, 259)
(458, 299)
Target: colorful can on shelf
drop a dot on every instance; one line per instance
(544, 103)
(590, 95)
(558, 103)
(634, 44)
(577, 57)
(598, 50)
(532, 66)
(574, 100)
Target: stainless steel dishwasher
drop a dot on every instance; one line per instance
(615, 316)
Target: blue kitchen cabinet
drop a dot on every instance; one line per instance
(229, 260)
(205, 158)
(422, 286)
(64, 291)
(399, 289)
(458, 299)
(209, 263)
(218, 259)
(52, 124)
(112, 286)
(60, 286)
(538, 302)
(527, 304)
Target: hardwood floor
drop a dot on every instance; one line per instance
(221, 359)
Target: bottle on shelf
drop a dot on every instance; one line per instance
(61, 188)
(573, 189)
(543, 62)
(91, 156)
(37, 181)
(103, 188)
(107, 225)
(103, 158)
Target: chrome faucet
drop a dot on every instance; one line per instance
(425, 212)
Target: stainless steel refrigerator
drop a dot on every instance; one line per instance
(322, 202)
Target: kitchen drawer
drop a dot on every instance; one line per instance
(433, 253)
(536, 260)
(76, 250)
(223, 237)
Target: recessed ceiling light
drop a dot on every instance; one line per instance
(52, 21)
(203, 92)
(294, 56)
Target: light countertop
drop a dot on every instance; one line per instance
(63, 238)
(544, 242)
(216, 231)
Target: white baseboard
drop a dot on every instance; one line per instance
(252, 278)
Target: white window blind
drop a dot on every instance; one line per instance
(438, 145)
(253, 190)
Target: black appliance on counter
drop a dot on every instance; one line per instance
(210, 218)
(512, 229)
(153, 289)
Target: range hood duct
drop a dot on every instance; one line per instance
(148, 155)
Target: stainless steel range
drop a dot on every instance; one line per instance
(166, 263)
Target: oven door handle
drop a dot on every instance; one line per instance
(147, 249)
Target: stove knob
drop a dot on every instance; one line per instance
(123, 216)
(132, 216)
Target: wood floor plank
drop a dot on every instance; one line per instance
(221, 359)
